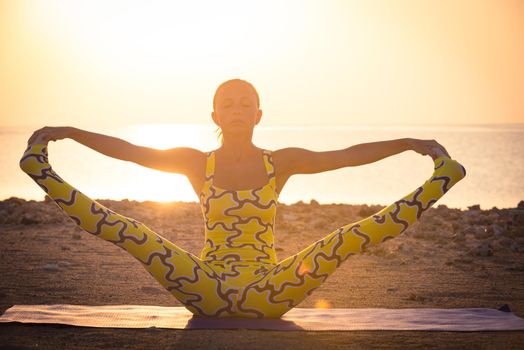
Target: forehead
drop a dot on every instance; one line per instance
(236, 89)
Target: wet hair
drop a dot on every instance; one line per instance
(236, 80)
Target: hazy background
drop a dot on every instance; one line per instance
(330, 74)
(313, 62)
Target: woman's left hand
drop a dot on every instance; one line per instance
(428, 147)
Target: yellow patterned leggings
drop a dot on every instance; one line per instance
(204, 290)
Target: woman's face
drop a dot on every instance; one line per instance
(236, 108)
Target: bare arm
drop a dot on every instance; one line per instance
(182, 160)
(110, 146)
(302, 161)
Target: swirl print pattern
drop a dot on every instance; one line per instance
(237, 274)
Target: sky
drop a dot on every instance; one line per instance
(324, 62)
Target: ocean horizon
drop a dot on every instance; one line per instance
(491, 154)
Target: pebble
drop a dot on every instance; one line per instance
(462, 259)
(289, 217)
(482, 232)
(29, 219)
(497, 230)
(505, 242)
(51, 267)
(484, 249)
(150, 290)
(76, 236)
(457, 237)
(417, 297)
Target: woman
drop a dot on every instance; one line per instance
(237, 274)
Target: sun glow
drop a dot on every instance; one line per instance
(162, 186)
(161, 37)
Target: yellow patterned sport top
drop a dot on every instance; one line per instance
(239, 224)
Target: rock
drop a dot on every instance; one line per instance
(482, 232)
(443, 211)
(457, 227)
(485, 249)
(289, 217)
(417, 297)
(495, 229)
(520, 205)
(151, 290)
(392, 290)
(472, 230)
(474, 207)
(14, 201)
(29, 219)
(314, 203)
(441, 234)
(463, 259)
(493, 216)
(457, 237)
(514, 247)
(471, 217)
(3, 215)
(76, 236)
(319, 223)
(51, 267)
(504, 242)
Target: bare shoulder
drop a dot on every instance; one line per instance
(287, 159)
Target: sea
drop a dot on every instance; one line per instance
(491, 153)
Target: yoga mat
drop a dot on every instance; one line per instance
(146, 316)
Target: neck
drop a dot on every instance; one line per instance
(237, 147)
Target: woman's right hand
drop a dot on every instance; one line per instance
(49, 133)
(428, 147)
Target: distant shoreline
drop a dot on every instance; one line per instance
(313, 202)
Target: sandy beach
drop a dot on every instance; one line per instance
(450, 258)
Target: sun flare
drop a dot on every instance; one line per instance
(153, 37)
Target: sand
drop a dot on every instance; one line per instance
(450, 258)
